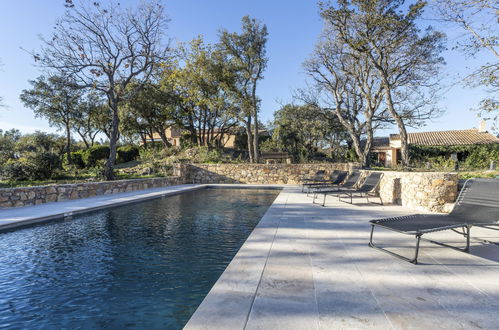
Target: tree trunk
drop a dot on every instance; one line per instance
(109, 168)
(68, 143)
(164, 139)
(256, 151)
(404, 150)
(250, 139)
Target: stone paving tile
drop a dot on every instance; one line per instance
(320, 273)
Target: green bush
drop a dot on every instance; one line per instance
(95, 153)
(481, 156)
(127, 153)
(35, 166)
(16, 170)
(76, 159)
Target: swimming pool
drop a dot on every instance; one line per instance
(143, 265)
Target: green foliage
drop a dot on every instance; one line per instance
(302, 130)
(77, 159)
(95, 153)
(127, 153)
(30, 157)
(481, 156)
(8, 140)
(36, 166)
(470, 156)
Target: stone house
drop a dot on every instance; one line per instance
(174, 135)
(387, 149)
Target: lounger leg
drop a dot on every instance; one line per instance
(465, 233)
(416, 253)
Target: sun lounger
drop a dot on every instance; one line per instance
(366, 189)
(476, 205)
(336, 178)
(350, 183)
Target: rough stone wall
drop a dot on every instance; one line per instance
(258, 173)
(420, 191)
(26, 196)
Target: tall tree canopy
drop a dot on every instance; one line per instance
(246, 53)
(479, 19)
(56, 99)
(105, 47)
(406, 60)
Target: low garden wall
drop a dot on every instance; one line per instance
(27, 196)
(420, 191)
(259, 173)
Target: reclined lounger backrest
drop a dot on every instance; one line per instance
(333, 175)
(478, 202)
(352, 180)
(340, 177)
(371, 182)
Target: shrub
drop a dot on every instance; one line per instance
(95, 153)
(16, 170)
(35, 166)
(127, 153)
(76, 159)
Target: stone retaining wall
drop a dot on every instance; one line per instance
(258, 173)
(420, 191)
(26, 196)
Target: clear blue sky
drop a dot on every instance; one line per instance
(293, 25)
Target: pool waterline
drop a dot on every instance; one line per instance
(102, 250)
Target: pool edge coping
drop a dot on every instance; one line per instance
(71, 208)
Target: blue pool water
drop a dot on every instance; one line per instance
(146, 265)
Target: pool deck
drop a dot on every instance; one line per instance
(309, 267)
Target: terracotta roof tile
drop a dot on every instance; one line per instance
(450, 138)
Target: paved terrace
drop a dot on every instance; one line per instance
(309, 267)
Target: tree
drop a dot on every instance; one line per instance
(406, 60)
(346, 84)
(8, 140)
(105, 48)
(55, 99)
(201, 84)
(302, 130)
(479, 19)
(246, 54)
(152, 107)
(87, 117)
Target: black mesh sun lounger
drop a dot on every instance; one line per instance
(318, 177)
(366, 189)
(476, 205)
(350, 182)
(336, 178)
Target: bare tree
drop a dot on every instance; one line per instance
(480, 20)
(105, 47)
(406, 60)
(345, 84)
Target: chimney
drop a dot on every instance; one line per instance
(482, 128)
